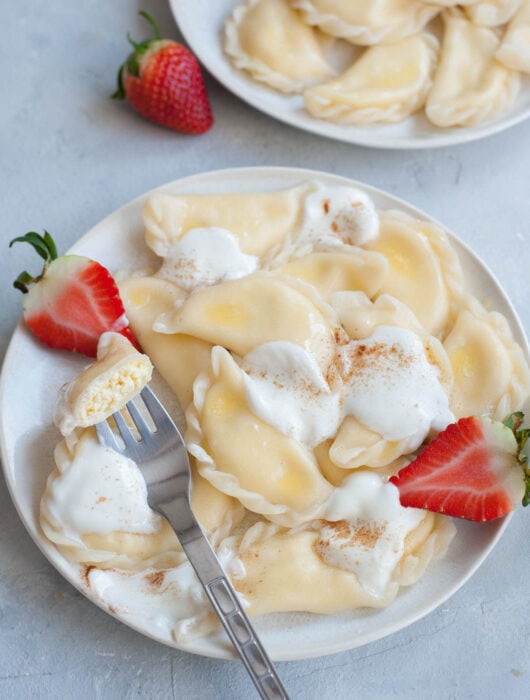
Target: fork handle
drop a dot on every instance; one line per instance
(235, 621)
(227, 606)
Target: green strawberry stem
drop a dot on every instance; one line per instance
(514, 422)
(133, 60)
(152, 22)
(45, 247)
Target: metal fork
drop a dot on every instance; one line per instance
(163, 460)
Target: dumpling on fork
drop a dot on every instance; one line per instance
(367, 22)
(470, 84)
(268, 39)
(387, 83)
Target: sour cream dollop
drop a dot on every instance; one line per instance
(206, 256)
(385, 381)
(339, 212)
(365, 528)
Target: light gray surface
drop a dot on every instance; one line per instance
(69, 156)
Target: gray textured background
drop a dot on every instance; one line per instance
(69, 156)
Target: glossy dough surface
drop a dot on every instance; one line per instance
(386, 84)
(269, 40)
(470, 84)
(395, 69)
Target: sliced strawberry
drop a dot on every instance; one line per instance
(474, 470)
(72, 302)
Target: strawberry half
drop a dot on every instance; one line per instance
(475, 469)
(162, 80)
(72, 302)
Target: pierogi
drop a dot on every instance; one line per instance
(315, 344)
(396, 68)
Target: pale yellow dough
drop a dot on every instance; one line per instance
(269, 40)
(267, 471)
(470, 85)
(492, 13)
(259, 220)
(387, 83)
(367, 22)
(514, 50)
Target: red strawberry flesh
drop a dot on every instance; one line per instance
(471, 470)
(73, 304)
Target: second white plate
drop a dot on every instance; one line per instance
(201, 23)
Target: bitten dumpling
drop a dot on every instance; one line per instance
(119, 373)
(470, 84)
(492, 13)
(514, 50)
(387, 83)
(367, 22)
(268, 39)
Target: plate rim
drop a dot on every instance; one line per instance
(320, 127)
(63, 566)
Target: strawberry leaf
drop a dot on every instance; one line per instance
(45, 247)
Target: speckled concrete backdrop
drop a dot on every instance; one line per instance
(69, 156)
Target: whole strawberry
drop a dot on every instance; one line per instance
(73, 300)
(162, 80)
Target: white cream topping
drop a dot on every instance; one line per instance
(385, 381)
(100, 491)
(171, 602)
(392, 387)
(367, 531)
(205, 256)
(340, 213)
(285, 387)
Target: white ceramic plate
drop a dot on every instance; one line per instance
(201, 22)
(32, 374)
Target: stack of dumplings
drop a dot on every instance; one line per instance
(461, 62)
(314, 343)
